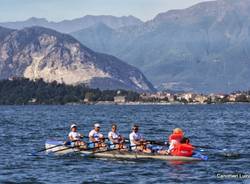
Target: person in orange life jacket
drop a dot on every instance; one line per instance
(184, 148)
(75, 137)
(175, 138)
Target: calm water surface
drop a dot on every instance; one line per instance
(24, 129)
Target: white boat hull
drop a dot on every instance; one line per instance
(62, 150)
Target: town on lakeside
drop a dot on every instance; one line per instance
(21, 91)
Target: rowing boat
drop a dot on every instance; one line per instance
(119, 154)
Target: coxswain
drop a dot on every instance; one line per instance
(184, 148)
(75, 137)
(175, 138)
(96, 139)
(137, 142)
(116, 140)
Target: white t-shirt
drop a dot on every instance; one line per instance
(134, 137)
(95, 134)
(114, 135)
(75, 135)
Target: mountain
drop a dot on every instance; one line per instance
(204, 48)
(67, 26)
(99, 35)
(38, 52)
(4, 32)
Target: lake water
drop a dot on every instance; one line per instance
(24, 129)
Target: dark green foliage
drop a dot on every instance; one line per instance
(183, 100)
(24, 91)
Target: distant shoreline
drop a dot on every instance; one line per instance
(21, 91)
(158, 103)
(167, 104)
(128, 104)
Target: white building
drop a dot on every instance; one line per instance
(120, 99)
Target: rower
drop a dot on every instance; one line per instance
(75, 136)
(175, 138)
(101, 144)
(137, 142)
(116, 140)
(96, 139)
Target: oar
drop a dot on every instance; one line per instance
(204, 147)
(109, 149)
(223, 152)
(71, 147)
(160, 143)
(45, 149)
(77, 146)
(67, 147)
(208, 147)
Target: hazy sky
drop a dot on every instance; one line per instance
(11, 10)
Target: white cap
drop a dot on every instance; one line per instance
(97, 125)
(73, 125)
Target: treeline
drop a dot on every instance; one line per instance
(24, 91)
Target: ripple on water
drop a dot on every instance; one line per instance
(24, 129)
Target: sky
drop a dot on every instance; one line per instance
(56, 10)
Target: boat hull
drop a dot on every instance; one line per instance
(117, 154)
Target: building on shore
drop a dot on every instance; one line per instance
(86, 100)
(120, 99)
(32, 101)
(187, 97)
(200, 99)
(232, 97)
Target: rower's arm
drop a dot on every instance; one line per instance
(133, 140)
(92, 139)
(70, 138)
(138, 143)
(121, 138)
(111, 138)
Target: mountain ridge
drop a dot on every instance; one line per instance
(38, 52)
(195, 49)
(67, 26)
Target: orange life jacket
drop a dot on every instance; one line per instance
(176, 136)
(182, 150)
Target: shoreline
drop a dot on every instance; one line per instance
(165, 103)
(127, 104)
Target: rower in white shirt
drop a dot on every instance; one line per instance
(137, 142)
(75, 137)
(96, 138)
(116, 140)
